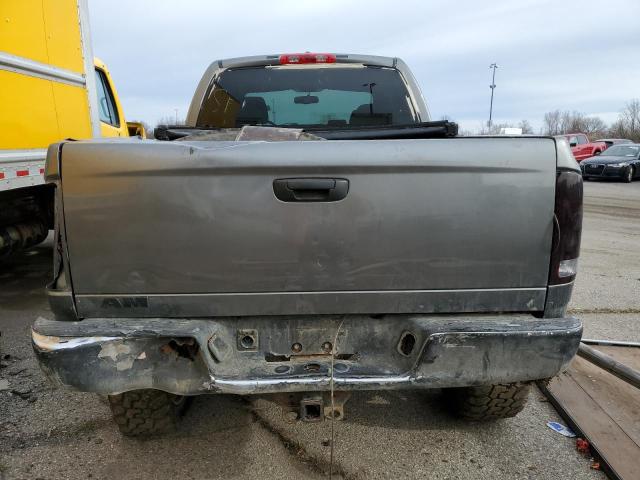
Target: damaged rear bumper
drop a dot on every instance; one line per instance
(252, 355)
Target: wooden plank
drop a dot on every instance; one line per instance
(605, 409)
(617, 398)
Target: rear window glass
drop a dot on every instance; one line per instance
(307, 97)
(622, 151)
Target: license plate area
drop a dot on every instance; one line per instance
(294, 347)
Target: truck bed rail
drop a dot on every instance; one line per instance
(437, 129)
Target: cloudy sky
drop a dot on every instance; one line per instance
(569, 55)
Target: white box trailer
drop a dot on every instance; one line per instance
(51, 88)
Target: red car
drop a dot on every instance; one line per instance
(582, 148)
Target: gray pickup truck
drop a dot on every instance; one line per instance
(308, 233)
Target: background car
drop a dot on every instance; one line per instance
(614, 141)
(619, 161)
(582, 148)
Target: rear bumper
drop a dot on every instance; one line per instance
(218, 356)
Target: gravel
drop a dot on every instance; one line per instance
(609, 270)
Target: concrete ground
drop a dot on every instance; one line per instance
(48, 433)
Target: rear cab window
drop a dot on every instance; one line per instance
(306, 97)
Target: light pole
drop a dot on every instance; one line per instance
(176, 115)
(492, 86)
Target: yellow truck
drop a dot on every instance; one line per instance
(51, 88)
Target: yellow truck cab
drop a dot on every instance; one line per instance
(51, 88)
(112, 122)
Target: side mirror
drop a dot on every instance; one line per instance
(573, 144)
(136, 129)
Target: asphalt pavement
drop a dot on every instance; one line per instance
(51, 433)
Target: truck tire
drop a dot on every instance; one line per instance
(146, 412)
(489, 402)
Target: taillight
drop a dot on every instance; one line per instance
(567, 227)
(302, 58)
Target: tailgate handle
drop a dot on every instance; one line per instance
(310, 189)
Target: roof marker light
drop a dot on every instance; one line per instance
(304, 58)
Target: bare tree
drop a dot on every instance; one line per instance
(551, 124)
(464, 132)
(558, 123)
(494, 129)
(169, 120)
(526, 127)
(627, 126)
(617, 130)
(629, 120)
(572, 122)
(594, 127)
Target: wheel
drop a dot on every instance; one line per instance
(146, 412)
(490, 402)
(628, 175)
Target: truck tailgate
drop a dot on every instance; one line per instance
(196, 229)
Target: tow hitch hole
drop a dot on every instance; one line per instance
(407, 343)
(312, 367)
(312, 411)
(248, 340)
